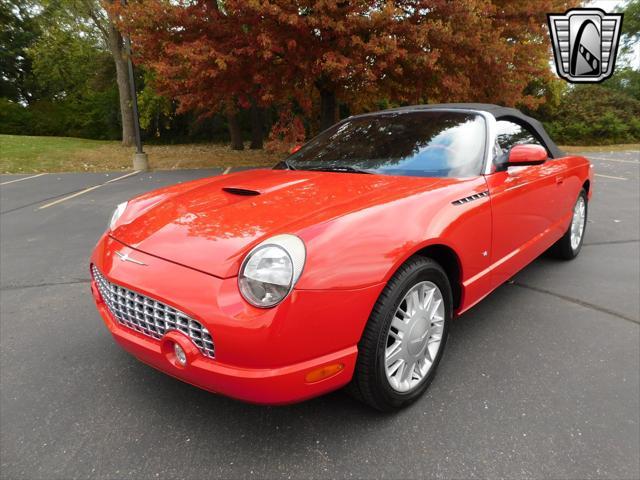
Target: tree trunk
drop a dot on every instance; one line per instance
(257, 127)
(234, 131)
(124, 87)
(328, 108)
(106, 25)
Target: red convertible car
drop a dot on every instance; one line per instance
(345, 264)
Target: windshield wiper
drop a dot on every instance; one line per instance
(284, 164)
(345, 169)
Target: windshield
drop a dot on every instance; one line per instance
(424, 144)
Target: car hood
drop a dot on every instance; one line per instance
(210, 224)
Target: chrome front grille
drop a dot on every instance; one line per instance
(150, 317)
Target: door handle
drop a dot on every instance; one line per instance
(559, 180)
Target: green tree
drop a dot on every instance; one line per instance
(65, 58)
(631, 24)
(97, 16)
(18, 30)
(76, 75)
(155, 110)
(625, 80)
(593, 114)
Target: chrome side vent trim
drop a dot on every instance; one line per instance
(471, 198)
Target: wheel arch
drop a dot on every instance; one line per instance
(450, 262)
(448, 259)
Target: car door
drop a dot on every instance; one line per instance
(525, 203)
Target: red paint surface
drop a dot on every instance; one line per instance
(358, 229)
(527, 153)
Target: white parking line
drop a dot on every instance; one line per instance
(86, 190)
(610, 176)
(227, 170)
(618, 160)
(131, 174)
(21, 179)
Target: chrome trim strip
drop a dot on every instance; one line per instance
(471, 198)
(124, 257)
(489, 166)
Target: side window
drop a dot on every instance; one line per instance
(509, 134)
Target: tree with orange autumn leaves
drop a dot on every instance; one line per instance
(309, 57)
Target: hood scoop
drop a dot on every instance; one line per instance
(226, 215)
(245, 192)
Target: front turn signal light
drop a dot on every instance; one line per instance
(324, 372)
(181, 356)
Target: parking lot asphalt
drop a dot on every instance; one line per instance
(541, 379)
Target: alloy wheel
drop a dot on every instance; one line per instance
(414, 337)
(577, 222)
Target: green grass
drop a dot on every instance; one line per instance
(27, 154)
(602, 148)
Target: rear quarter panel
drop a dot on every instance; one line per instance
(578, 171)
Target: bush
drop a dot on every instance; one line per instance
(595, 115)
(15, 119)
(94, 117)
(51, 118)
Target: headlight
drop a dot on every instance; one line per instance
(270, 271)
(117, 214)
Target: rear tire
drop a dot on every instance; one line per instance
(569, 246)
(407, 330)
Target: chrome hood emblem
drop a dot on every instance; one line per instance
(124, 257)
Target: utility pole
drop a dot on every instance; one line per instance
(140, 159)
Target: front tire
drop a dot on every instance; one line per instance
(405, 336)
(569, 246)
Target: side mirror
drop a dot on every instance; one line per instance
(526, 154)
(295, 149)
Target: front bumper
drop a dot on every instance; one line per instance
(262, 355)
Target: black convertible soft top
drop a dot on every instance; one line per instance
(500, 113)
